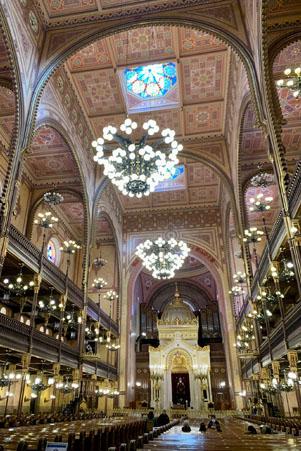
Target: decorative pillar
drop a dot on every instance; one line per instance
(265, 378)
(56, 367)
(292, 356)
(11, 189)
(25, 361)
(276, 369)
(275, 382)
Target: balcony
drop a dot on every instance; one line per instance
(23, 249)
(16, 335)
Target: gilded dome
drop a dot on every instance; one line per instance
(177, 312)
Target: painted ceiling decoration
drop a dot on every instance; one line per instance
(193, 69)
(50, 165)
(177, 76)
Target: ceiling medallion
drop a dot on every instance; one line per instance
(292, 81)
(135, 166)
(162, 257)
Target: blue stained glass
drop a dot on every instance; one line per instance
(179, 170)
(151, 81)
(51, 252)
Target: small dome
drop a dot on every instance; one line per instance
(177, 312)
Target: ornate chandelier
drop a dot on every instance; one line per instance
(99, 262)
(162, 257)
(260, 203)
(112, 343)
(67, 386)
(99, 283)
(292, 80)
(19, 286)
(252, 235)
(110, 295)
(70, 247)
(262, 179)
(46, 220)
(53, 198)
(137, 167)
(108, 392)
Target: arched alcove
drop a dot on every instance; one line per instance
(50, 165)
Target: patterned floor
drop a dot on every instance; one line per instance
(232, 438)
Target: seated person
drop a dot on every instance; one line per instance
(251, 430)
(266, 429)
(186, 427)
(212, 422)
(218, 426)
(150, 421)
(150, 415)
(202, 427)
(163, 419)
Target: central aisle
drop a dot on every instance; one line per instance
(232, 438)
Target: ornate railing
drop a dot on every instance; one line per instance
(276, 237)
(103, 369)
(104, 317)
(16, 334)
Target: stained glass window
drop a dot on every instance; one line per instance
(177, 172)
(53, 251)
(151, 81)
(176, 180)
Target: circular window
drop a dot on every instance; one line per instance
(53, 251)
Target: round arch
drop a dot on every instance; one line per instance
(135, 267)
(189, 291)
(15, 84)
(174, 352)
(107, 212)
(39, 201)
(275, 48)
(83, 195)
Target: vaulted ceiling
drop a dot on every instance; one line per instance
(7, 116)
(50, 164)
(203, 71)
(193, 274)
(58, 11)
(7, 98)
(201, 119)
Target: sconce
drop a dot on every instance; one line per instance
(51, 398)
(7, 395)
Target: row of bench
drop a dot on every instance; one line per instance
(12, 421)
(287, 425)
(93, 435)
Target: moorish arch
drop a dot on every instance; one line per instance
(225, 308)
(194, 293)
(54, 135)
(12, 110)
